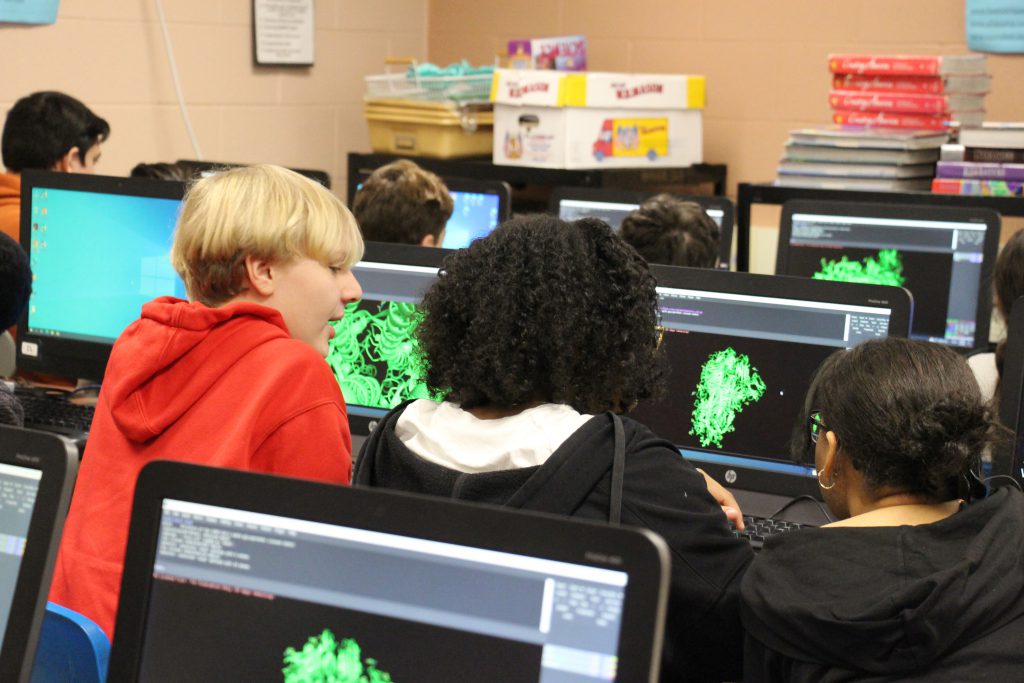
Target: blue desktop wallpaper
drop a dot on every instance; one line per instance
(474, 216)
(96, 258)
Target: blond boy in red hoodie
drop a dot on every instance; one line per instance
(235, 377)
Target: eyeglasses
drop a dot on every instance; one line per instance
(816, 425)
(660, 329)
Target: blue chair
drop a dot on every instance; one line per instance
(72, 648)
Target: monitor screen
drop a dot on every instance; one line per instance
(18, 488)
(373, 353)
(741, 353)
(99, 249)
(942, 255)
(37, 474)
(309, 599)
(474, 215)
(612, 206)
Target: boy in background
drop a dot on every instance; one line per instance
(400, 202)
(234, 377)
(49, 131)
(668, 230)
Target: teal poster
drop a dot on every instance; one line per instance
(28, 11)
(995, 25)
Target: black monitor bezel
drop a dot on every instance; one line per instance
(62, 355)
(990, 248)
(897, 299)
(197, 167)
(640, 553)
(57, 460)
(399, 254)
(1008, 458)
(637, 197)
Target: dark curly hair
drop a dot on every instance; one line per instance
(908, 414)
(666, 229)
(546, 310)
(15, 281)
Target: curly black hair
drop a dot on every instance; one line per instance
(546, 310)
(908, 414)
(15, 281)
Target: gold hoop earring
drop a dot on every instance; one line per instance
(826, 488)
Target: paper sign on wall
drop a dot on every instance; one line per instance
(995, 25)
(283, 32)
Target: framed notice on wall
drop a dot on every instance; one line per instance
(282, 32)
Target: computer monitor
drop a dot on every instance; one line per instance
(98, 247)
(742, 350)
(237, 576)
(373, 353)
(37, 474)
(943, 255)
(612, 206)
(1009, 458)
(479, 206)
(205, 168)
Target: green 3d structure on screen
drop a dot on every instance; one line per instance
(374, 355)
(885, 269)
(325, 660)
(727, 383)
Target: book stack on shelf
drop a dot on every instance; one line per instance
(908, 91)
(860, 158)
(892, 113)
(988, 160)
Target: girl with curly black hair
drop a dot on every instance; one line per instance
(536, 337)
(912, 583)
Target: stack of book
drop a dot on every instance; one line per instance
(908, 91)
(860, 158)
(989, 160)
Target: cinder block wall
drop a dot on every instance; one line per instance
(110, 54)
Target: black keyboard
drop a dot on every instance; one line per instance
(52, 413)
(760, 528)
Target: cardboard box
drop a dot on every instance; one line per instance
(597, 120)
(567, 53)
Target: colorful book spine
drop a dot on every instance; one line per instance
(976, 187)
(891, 120)
(901, 102)
(921, 85)
(902, 65)
(967, 169)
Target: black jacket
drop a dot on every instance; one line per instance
(661, 492)
(936, 602)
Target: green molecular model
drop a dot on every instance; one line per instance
(375, 356)
(324, 660)
(727, 383)
(886, 269)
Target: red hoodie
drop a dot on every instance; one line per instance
(225, 387)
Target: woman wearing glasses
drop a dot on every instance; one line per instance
(912, 582)
(534, 337)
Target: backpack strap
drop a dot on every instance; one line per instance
(618, 471)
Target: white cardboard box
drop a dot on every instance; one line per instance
(552, 119)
